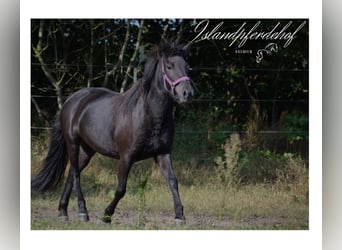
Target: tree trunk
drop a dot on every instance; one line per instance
(38, 51)
(120, 59)
(91, 52)
(135, 53)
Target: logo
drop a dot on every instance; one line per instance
(276, 36)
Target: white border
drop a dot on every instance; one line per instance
(309, 239)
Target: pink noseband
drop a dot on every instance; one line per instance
(172, 84)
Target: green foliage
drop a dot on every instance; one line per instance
(210, 194)
(219, 134)
(84, 53)
(141, 202)
(259, 166)
(267, 167)
(228, 87)
(296, 126)
(240, 166)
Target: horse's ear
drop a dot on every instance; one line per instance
(163, 39)
(186, 48)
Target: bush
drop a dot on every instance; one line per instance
(228, 163)
(239, 166)
(259, 166)
(296, 126)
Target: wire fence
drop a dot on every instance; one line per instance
(209, 141)
(179, 131)
(212, 99)
(199, 100)
(204, 68)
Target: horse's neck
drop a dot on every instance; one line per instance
(161, 117)
(159, 105)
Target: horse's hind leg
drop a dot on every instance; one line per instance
(64, 201)
(85, 155)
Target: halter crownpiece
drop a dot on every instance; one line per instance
(172, 84)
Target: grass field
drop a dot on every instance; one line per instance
(208, 202)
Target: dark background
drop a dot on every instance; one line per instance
(267, 103)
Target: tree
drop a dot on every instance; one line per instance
(70, 54)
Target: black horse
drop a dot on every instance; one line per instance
(132, 126)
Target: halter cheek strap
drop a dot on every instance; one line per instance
(172, 84)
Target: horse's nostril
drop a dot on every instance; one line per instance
(188, 94)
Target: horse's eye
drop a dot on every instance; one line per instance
(169, 66)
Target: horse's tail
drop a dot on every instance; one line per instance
(54, 164)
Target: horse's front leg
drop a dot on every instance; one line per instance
(165, 164)
(124, 168)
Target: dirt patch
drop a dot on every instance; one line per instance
(47, 219)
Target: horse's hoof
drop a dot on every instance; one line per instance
(106, 219)
(179, 221)
(83, 217)
(63, 218)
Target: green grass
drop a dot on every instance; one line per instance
(206, 206)
(208, 202)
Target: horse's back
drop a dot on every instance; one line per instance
(89, 93)
(78, 102)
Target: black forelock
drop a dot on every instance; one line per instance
(164, 49)
(168, 49)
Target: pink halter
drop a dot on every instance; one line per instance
(172, 84)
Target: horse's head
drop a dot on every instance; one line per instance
(167, 70)
(175, 78)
